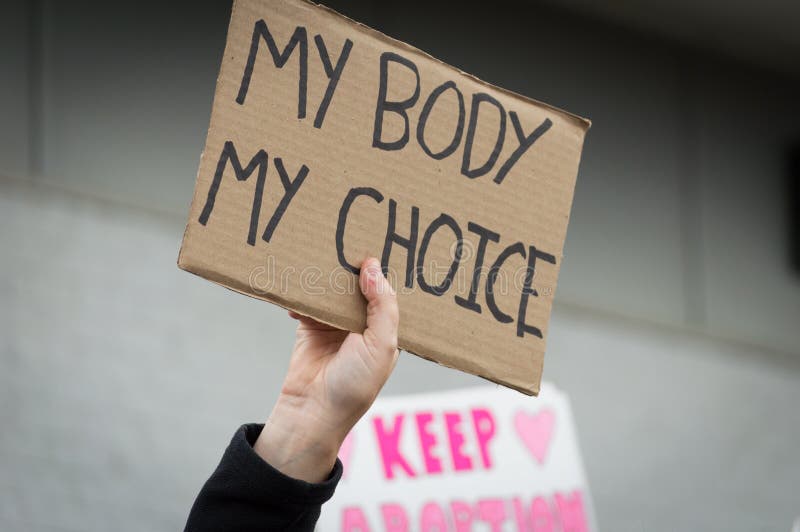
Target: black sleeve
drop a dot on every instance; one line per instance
(245, 493)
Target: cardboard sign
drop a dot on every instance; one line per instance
(330, 142)
(471, 460)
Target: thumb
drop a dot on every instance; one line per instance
(383, 314)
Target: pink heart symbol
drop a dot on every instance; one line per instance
(346, 451)
(535, 431)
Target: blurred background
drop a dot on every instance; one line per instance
(676, 329)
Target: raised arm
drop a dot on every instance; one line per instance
(276, 477)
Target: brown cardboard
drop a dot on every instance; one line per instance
(291, 258)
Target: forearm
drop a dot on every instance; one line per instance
(300, 439)
(277, 478)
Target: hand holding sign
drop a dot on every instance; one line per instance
(333, 378)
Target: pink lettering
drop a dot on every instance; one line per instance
(427, 441)
(519, 515)
(433, 518)
(570, 512)
(353, 520)
(461, 462)
(462, 516)
(394, 518)
(483, 420)
(389, 443)
(493, 512)
(541, 518)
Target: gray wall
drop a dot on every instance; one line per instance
(15, 97)
(675, 330)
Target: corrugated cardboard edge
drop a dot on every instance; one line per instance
(323, 318)
(332, 320)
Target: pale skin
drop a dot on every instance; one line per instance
(333, 378)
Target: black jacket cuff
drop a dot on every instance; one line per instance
(267, 481)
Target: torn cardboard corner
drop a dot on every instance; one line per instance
(330, 142)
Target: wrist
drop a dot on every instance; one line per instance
(299, 440)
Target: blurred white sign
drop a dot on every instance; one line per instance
(481, 459)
